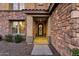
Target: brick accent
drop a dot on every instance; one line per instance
(61, 29)
(4, 20)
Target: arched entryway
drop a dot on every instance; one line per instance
(40, 30)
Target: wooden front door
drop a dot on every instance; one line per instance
(40, 30)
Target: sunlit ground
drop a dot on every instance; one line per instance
(41, 40)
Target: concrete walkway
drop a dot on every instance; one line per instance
(41, 50)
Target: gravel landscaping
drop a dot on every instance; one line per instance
(15, 49)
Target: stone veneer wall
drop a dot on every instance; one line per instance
(75, 25)
(5, 16)
(61, 29)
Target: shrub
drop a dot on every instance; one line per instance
(75, 52)
(9, 38)
(1, 37)
(18, 38)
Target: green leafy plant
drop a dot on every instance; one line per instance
(9, 38)
(18, 38)
(75, 52)
(1, 37)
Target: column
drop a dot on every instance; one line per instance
(29, 37)
(49, 30)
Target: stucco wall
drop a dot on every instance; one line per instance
(29, 36)
(4, 6)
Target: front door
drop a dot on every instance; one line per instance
(40, 30)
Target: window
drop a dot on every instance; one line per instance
(22, 6)
(17, 6)
(18, 27)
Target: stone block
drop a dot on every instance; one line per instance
(74, 41)
(75, 14)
